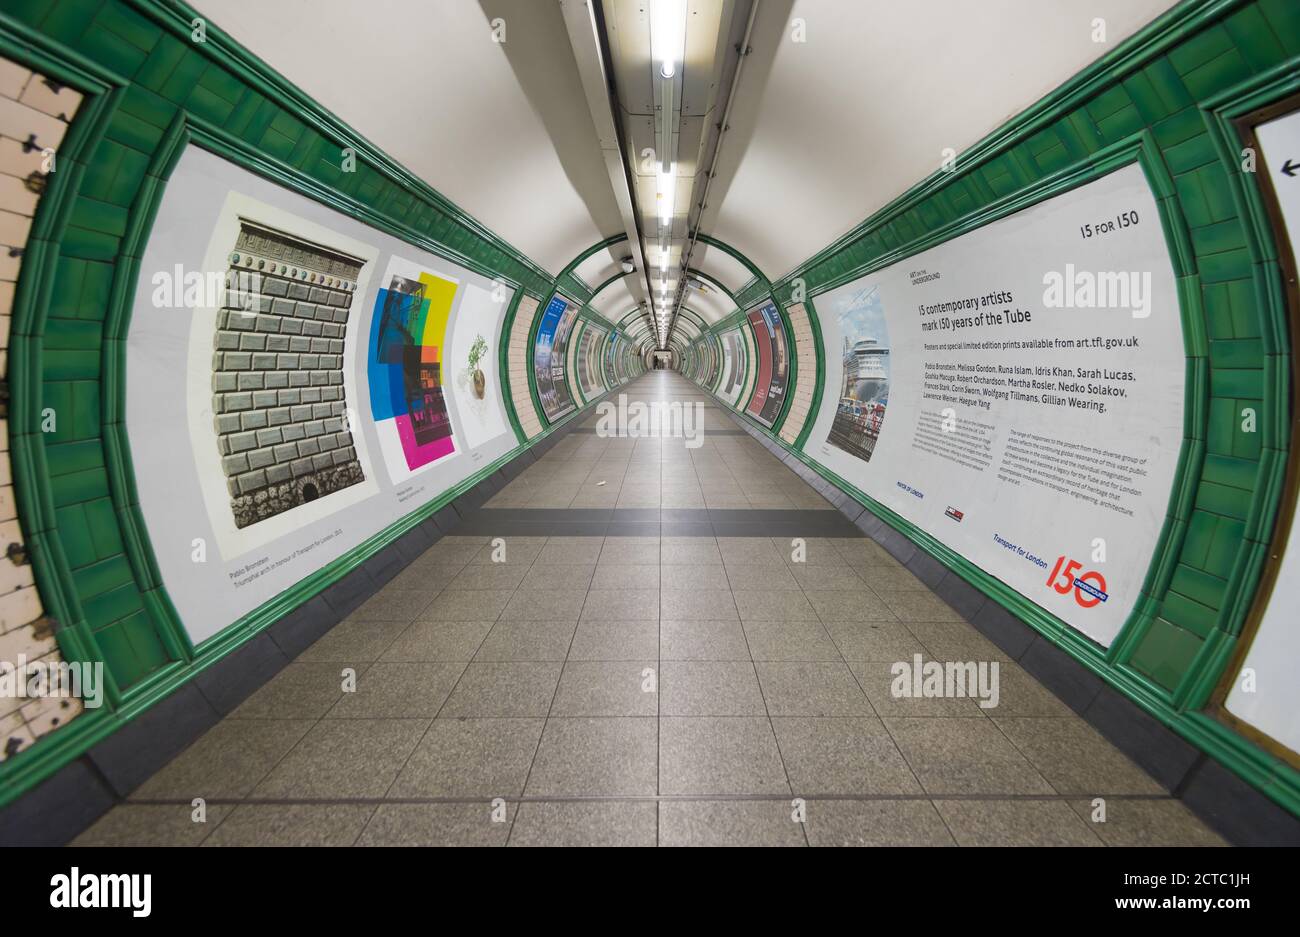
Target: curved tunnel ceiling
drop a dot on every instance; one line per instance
(503, 140)
(516, 148)
(826, 132)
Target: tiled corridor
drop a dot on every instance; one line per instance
(629, 646)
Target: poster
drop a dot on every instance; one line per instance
(548, 357)
(863, 389)
(404, 365)
(608, 359)
(258, 453)
(1017, 393)
(733, 377)
(1271, 700)
(769, 339)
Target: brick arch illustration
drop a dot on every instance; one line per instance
(407, 349)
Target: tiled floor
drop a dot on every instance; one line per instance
(648, 689)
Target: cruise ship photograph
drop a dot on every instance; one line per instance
(864, 395)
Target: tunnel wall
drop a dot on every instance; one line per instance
(137, 109)
(1160, 108)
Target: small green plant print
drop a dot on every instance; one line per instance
(477, 351)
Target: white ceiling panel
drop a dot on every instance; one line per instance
(492, 126)
(721, 266)
(615, 300)
(601, 265)
(827, 131)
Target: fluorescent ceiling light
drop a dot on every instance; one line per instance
(668, 35)
(666, 196)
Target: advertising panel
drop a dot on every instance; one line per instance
(1017, 393)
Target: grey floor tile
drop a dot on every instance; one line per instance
(1144, 822)
(864, 552)
(709, 688)
(616, 640)
(512, 551)
(842, 756)
(876, 823)
(719, 755)
(544, 604)
(964, 756)
(569, 550)
(894, 693)
(849, 605)
(438, 641)
(790, 640)
(689, 551)
(910, 605)
(398, 691)
(426, 576)
(749, 551)
(955, 640)
(479, 576)
(585, 823)
(292, 825)
(764, 605)
(745, 577)
(392, 604)
(527, 640)
(1074, 757)
(630, 551)
(811, 689)
(595, 757)
(608, 688)
(702, 640)
(1019, 694)
(814, 551)
(693, 577)
(503, 689)
(438, 825)
(353, 641)
(227, 761)
(467, 605)
(623, 604)
(335, 760)
(610, 576)
(697, 605)
(454, 548)
(559, 576)
(729, 823)
(1014, 823)
(481, 758)
(890, 579)
(825, 578)
(152, 825)
(302, 690)
(874, 640)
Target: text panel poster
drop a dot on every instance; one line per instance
(1017, 392)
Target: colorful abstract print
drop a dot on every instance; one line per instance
(407, 351)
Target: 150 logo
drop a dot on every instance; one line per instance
(1089, 587)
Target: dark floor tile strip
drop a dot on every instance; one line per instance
(685, 522)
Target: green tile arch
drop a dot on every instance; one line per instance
(148, 93)
(1166, 95)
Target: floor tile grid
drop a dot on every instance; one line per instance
(484, 541)
(451, 552)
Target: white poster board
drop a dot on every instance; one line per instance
(1017, 393)
(215, 570)
(1266, 693)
